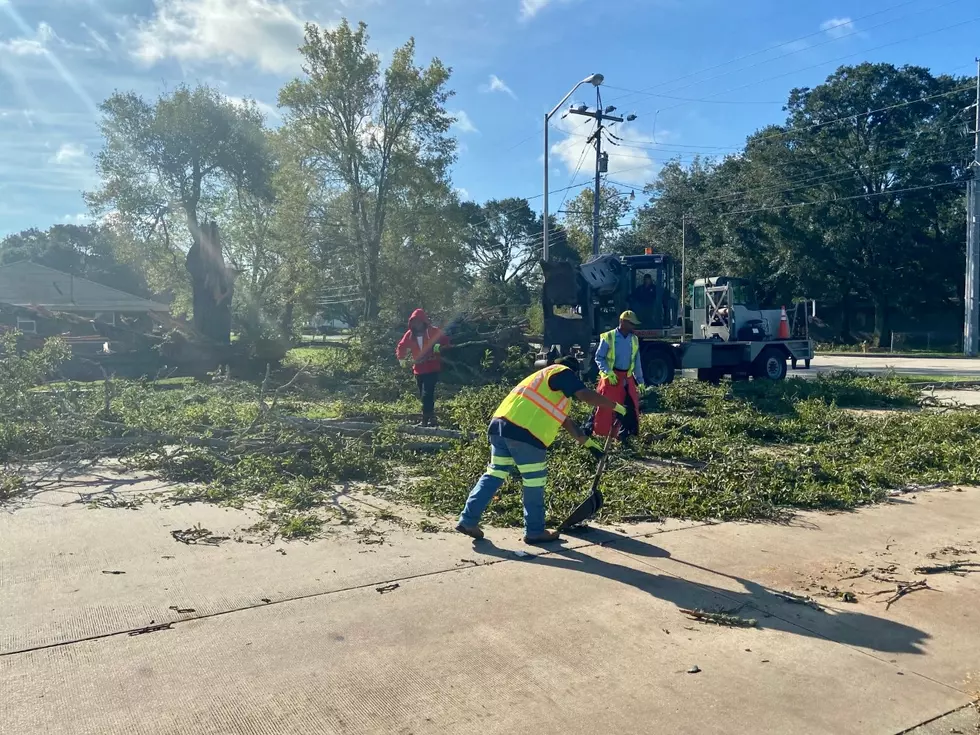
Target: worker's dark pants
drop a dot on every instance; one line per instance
(427, 392)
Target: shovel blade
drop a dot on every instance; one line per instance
(586, 509)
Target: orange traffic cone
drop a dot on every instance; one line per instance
(783, 325)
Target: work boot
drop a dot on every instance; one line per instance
(542, 538)
(474, 532)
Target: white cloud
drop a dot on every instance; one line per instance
(496, 84)
(271, 112)
(463, 194)
(266, 33)
(630, 162)
(69, 154)
(33, 46)
(98, 39)
(838, 27)
(463, 122)
(77, 219)
(530, 8)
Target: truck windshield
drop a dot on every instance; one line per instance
(743, 294)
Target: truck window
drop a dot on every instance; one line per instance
(699, 297)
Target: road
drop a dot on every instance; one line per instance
(111, 625)
(907, 365)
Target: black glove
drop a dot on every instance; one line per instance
(593, 445)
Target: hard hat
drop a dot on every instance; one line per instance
(629, 316)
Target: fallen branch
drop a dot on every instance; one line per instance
(799, 600)
(904, 588)
(956, 567)
(720, 618)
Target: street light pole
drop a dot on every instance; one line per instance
(595, 80)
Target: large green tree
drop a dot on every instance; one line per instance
(166, 167)
(371, 134)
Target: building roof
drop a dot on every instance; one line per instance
(29, 284)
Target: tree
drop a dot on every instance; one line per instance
(368, 133)
(166, 166)
(876, 129)
(614, 206)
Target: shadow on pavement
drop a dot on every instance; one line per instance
(771, 611)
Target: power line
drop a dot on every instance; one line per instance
(831, 61)
(769, 48)
(890, 192)
(824, 43)
(791, 130)
(692, 99)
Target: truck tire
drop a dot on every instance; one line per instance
(658, 366)
(770, 365)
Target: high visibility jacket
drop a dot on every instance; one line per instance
(534, 406)
(610, 339)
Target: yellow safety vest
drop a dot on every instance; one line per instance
(534, 406)
(610, 339)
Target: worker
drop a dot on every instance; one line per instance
(648, 301)
(524, 425)
(620, 377)
(421, 348)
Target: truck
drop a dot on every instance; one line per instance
(724, 331)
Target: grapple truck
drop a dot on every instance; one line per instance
(727, 334)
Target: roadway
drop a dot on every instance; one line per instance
(938, 366)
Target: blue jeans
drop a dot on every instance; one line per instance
(507, 455)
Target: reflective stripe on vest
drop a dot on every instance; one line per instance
(610, 339)
(534, 406)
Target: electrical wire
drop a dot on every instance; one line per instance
(770, 48)
(829, 61)
(824, 43)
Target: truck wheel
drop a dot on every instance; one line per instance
(658, 368)
(771, 364)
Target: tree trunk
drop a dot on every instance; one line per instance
(286, 321)
(883, 329)
(845, 319)
(372, 295)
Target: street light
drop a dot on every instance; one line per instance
(595, 80)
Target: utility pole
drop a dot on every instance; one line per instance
(683, 303)
(601, 159)
(971, 295)
(595, 80)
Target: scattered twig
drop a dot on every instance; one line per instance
(721, 618)
(904, 588)
(197, 536)
(384, 589)
(799, 600)
(956, 567)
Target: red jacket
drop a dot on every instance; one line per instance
(426, 361)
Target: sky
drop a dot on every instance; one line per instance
(700, 75)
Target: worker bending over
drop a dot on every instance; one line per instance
(421, 347)
(620, 376)
(525, 424)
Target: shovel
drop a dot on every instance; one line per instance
(591, 505)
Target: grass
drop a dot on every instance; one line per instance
(744, 450)
(743, 453)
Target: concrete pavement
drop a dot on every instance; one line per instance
(382, 629)
(970, 368)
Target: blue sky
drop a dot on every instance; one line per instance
(511, 60)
